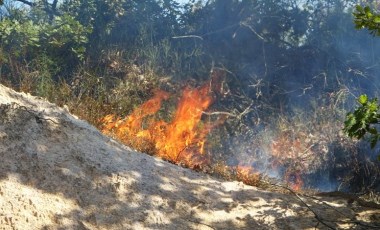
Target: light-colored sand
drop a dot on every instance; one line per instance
(58, 172)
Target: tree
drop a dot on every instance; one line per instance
(366, 117)
(32, 39)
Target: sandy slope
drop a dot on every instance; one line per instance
(58, 172)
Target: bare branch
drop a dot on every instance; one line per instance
(188, 36)
(253, 30)
(320, 220)
(238, 116)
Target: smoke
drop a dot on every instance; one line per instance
(296, 67)
(317, 159)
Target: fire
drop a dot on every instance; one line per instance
(183, 139)
(294, 180)
(291, 152)
(247, 174)
(129, 129)
(180, 141)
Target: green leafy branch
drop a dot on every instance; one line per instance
(367, 18)
(364, 120)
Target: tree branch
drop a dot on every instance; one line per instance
(188, 36)
(29, 3)
(50, 9)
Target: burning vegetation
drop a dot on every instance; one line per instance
(291, 155)
(274, 105)
(182, 140)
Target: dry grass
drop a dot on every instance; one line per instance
(297, 146)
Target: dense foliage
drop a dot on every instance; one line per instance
(366, 18)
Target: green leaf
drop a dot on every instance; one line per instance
(367, 9)
(359, 8)
(372, 107)
(372, 131)
(376, 19)
(363, 99)
(350, 121)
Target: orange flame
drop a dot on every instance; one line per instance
(294, 180)
(183, 132)
(290, 150)
(247, 174)
(130, 128)
(180, 141)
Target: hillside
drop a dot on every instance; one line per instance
(59, 172)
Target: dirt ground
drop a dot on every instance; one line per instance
(59, 172)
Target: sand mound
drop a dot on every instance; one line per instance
(58, 172)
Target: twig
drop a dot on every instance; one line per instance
(209, 33)
(195, 222)
(320, 220)
(188, 36)
(239, 116)
(351, 221)
(253, 30)
(325, 203)
(220, 113)
(311, 210)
